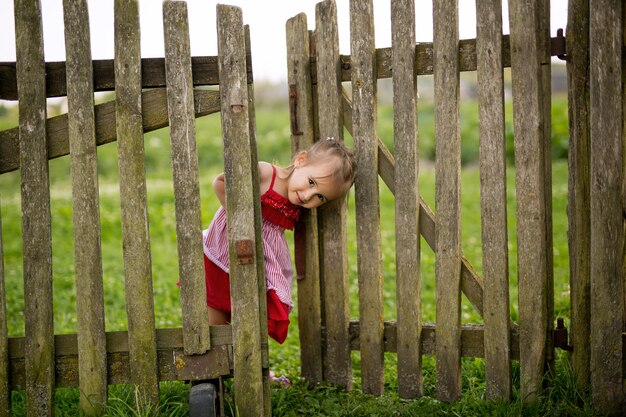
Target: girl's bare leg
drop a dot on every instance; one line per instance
(218, 316)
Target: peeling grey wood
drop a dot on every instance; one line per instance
(240, 205)
(447, 200)
(607, 228)
(332, 216)
(369, 258)
(186, 177)
(92, 360)
(408, 294)
(135, 233)
(530, 191)
(36, 219)
(309, 297)
(493, 199)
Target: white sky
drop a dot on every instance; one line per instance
(266, 18)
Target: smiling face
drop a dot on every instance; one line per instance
(315, 183)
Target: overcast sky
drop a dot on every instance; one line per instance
(266, 18)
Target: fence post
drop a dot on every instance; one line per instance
(530, 190)
(135, 234)
(578, 215)
(242, 235)
(92, 357)
(364, 120)
(493, 199)
(186, 183)
(336, 318)
(607, 227)
(447, 199)
(408, 292)
(302, 136)
(36, 221)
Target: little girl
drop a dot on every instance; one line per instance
(323, 173)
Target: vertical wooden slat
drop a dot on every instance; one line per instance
(332, 216)
(92, 363)
(135, 234)
(493, 199)
(364, 120)
(607, 233)
(186, 182)
(578, 186)
(309, 303)
(530, 191)
(36, 227)
(408, 292)
(447, 199)
(256, 198)
(545, 72)
(240, 205)
(5, 392)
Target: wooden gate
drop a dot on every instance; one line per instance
(321, 107)
(144, 355)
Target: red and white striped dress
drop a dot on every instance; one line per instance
(278, 214)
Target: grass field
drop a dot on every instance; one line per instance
(273, 142)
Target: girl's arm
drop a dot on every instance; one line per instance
(218, 187)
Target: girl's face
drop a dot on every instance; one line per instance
(313, 184)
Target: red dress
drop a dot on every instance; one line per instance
(278, 214)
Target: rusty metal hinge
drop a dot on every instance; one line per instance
(560, 336)
(559, 46)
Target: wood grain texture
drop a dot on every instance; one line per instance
(607, 229)
(135, 233)
(92, 361)
(36, 219)
(447, 199)
(528, 128)
(493, 199)
(332, 216)
(186, 177)
(302, 136)
(407, 210)
(240, 208)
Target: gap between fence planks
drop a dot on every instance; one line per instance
(92, 361)
(135, 233)
(5, 391)
(36, 217)
(154, 116)
(332, 216)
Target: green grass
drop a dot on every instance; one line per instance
(561, 398)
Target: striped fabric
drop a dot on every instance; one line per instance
(278, 268)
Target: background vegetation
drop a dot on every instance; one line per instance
(272, 118)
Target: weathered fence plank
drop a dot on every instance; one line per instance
(336, 318)
(301, 109)
(154, 116)
(36, 219)
(578, 187)
(447, 199)
(203, 68)
(369, 260)
(240, 205)
(92, 362)
(530, 190)
(607, 233)
(408, 292)
(186, 177)
(493, 199)
(135, 234)
(5, 392)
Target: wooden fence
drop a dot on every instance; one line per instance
(143, 355)
(321, 107)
